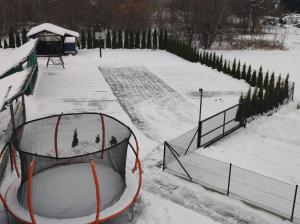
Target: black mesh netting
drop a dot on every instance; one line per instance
(62, 183)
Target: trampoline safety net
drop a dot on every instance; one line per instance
(62, 148)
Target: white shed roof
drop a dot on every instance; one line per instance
(53, 29)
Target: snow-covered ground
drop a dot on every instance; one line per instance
(117, 85)
(269, 145)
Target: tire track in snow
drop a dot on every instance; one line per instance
(154, 107)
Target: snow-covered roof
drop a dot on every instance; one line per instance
(16, 56)
(10, 86)
(53, 29)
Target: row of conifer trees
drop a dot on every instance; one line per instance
(15, 39)
(269, 91)
(150, 39)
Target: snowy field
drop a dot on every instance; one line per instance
(156, 94)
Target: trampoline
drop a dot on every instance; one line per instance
(74, 169)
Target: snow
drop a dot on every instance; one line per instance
(53, 29)
(14, 57)
(12, 85)
(70, 40)
(92, 84)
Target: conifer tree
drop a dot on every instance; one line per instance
(240, 114)
(260, 101)
(0, 43)
(210, 60)
(144, 44)
(5, 44)
(24, 36)
(277, 92)
(18, 40)
(75, 140)
(267, 101)
(154, 39)
(214, 61)
(238, 71)
(244, 73)
(260, 77)
(248, 104)
(266, 81)
(149, 40)
(114, 40)
(224, 69)
(220, 63)
(89, 40)
(254, 102)
(233, 69)
(131, 40)
(165, 40)
(253, 79)
(161, 39)
(137, 42)
(108, 39)
(83, 44)
(272, 92)
(249, 74)
(11, 39)
(286, 88)
(120, 39)
(126, 40)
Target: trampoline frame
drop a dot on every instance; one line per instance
(137, 166)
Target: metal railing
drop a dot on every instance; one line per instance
(275, 196)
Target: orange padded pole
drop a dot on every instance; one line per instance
(29, 191)
(13, 154)
(97, 185)
(103, 135)
(3, 201)
(55, 135)
(137, 153)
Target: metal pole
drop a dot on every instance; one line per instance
(224, 123)
(200, 117)
(201, 96)
(294, 203)
(229, 179)
(100, 49)
(24, 108)
(165, 144)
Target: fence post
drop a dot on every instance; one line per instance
(229, 179)
(294, 203)
(199, 134)
(224, 123)
(200, 117)
(164, 158)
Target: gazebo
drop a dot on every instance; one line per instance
(54, 40)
